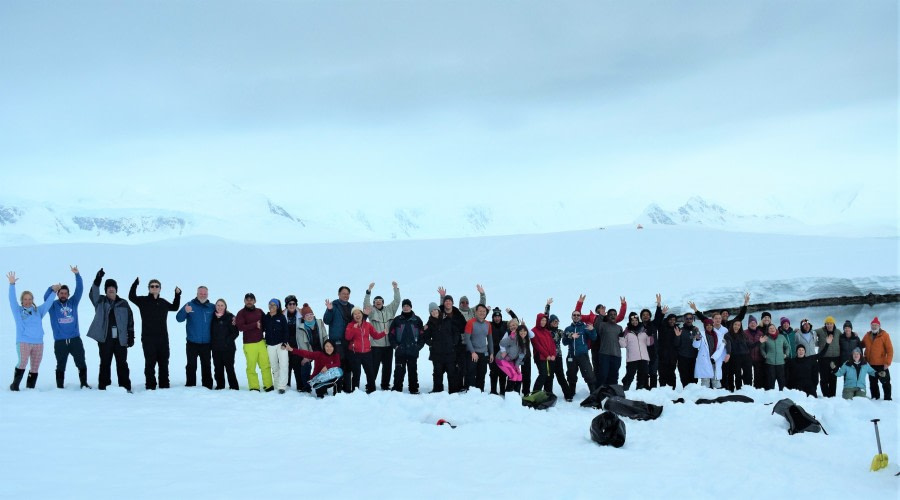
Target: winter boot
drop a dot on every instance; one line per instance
(17, 379)
(60, 378)
(31, 380)
(82, 376)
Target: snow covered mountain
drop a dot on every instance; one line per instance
(699, 212)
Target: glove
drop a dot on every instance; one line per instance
(100, 275)
(130, 340)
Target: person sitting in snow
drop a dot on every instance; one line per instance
(325, 360)
(854, 372)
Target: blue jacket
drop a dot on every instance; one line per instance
(580, 345)
(28, 321)
(64, 317)
(337, 325)
(198, 321)
(853, 379)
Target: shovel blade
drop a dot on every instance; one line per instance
(880, 461)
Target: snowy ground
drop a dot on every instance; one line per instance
(185, 443)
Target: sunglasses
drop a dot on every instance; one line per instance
(154, 286)
(576, 315)
(292, 303)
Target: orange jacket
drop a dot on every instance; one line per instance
(879, 350)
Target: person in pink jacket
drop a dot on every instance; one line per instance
(358, 336)
(637, 359)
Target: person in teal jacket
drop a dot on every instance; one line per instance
(854, 372)
(29, 333)
(66, 333)
(774, 349)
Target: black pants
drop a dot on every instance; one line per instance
(64, 348)
(345, 384)
(667, 364)
(545, 377)
(223, 361)
(109, 350)
(444, 365)
(406, 363)
(686, 370)
(203, 351)
(606, 368)
(295, 369)
(156, 353)
(827, 380)
(359, 362)
(653, 370)
(737, 372)
(885, 383)
(476, 371)
(582, 363)
(639, 368)
(774, 373)
(462, 364)
(497, 378)
(526, 375)
(759, 374)
(382, 359)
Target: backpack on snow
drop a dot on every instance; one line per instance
(798, 419)
(732, 398)
(635, 410)
(607, 429)
(539, 400)
(595, 399)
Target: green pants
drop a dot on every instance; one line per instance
(256, 355)
(853, 392)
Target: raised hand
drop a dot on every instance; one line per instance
(549, 301)
(658, 299)
(394, 284)
(677, 332)
(442, 291)
(327, 304)
(74, 269)
(11, 276)
(622, 299)
(188, 309)
(479, 288)
(764, 338)
(746, 298)
(581, 298)
(56, 287)
(101, 274)
(665, 309)
(371, 286)
(589, 326)
(367, 310)
(692, 305)
(177, 291)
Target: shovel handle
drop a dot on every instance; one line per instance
(877, 435)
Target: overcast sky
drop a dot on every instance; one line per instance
(756, 105)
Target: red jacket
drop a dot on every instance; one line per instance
(323, 361)
(542, 341)
(357, 336)
(245, 321)
(590, 317)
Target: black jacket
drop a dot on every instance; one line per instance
(652, 328)
(275, 328)
(154, 312)
(736, 344)
(803, 374)
(223, 333)
(406, 334)
(443, 334)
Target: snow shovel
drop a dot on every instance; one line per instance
(881, 459)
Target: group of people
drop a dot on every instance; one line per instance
(287, 340)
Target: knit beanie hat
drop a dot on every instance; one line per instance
(848, 323)
(432, 307)
(876, 322)
(752, 320)
(112, 283)
(830, 319)
(306, 309)
(406, 302)
(766, 314)
(496, 312)
(784, 320)
(446, 298)
(552, 318)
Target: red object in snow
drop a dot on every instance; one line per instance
(442, 422)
